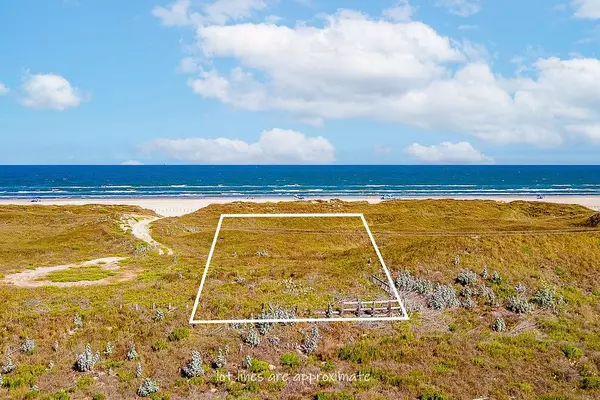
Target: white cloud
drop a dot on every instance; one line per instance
(3, 89)
(468, 27)
(223, 10)
(463, 8)
(180, 13)
(358, 67)
(447, 152)
(132, 162)
(175, 14)
(275, 146)
(587, 9)
(590, 132)
(50, 91)
(403, 11)
(189, 65)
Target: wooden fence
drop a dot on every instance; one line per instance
(369, 308)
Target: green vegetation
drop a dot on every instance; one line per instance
(77, 274)
(549, 252)
(290, 360)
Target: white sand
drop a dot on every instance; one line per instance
(172, 207)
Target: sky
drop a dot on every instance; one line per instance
(300, 82)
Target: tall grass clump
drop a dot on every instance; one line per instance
(499, 325)
(519, 305)
(132, 355)
(443, 297)
(252, 339)
(87, 360)
(148, 388)
(405, 281)
(193, 368)
(487, 293)
(9, 366)
(545, 297)
(311, 341)
(220, 361)
(28, 346)
(466, 277)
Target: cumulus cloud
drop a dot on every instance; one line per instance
(276, 146)
(175, 14)
(50, 91)
(402, 11)
(463, 8)
(358, 67)
(447, 152)
(179, 13)
(587, 9)
(3, 89)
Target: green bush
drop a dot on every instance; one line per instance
(572, 351)
(359, 353)
(178, 334)
(98, 396)
(258, 366)
(328, 367)
(290, 360)
(84, 382)
(160, 344)
(333, 396)
(553, 397)
(432, 393)
(590, 382)
(62, 395)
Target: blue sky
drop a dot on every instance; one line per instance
(305, 81)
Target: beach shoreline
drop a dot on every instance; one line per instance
(176, 206)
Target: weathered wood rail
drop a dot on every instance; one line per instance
(358, 308)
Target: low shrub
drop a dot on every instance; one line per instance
(290, 360)
(519, 305)
(466, 277)
(178, 334)
(571, 351)
(590, 382)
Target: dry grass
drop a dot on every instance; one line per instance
(454, 352)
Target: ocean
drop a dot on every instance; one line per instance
(196, 181)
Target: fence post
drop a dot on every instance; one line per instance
(373, 309)
(341, 308)
(389, 308)
(358, 307)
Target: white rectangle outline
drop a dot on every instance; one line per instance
(403, 317)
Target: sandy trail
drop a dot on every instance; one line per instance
(140, 228)
(30, 278)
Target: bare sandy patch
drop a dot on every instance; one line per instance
(32, 278)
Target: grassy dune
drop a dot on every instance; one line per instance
(549, 353)
(36, 236)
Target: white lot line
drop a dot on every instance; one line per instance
(403, 317)
(139, 228)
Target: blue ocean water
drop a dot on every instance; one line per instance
(27, 182)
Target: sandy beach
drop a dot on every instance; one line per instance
(173, 207)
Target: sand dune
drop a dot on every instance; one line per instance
(173, 207)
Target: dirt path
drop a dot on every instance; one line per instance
(140, 228)
(31, 278)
